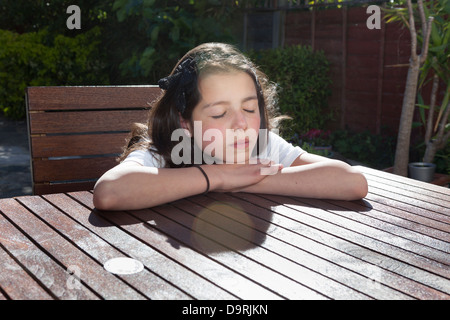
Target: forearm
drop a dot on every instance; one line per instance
(326, 180)
(137, 187)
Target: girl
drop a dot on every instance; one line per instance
(221, 107)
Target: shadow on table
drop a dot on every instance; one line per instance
(218, 224)
(361, 205)
(213, 226)
(201, 223)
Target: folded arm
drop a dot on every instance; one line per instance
(131, 186)
(313, 176)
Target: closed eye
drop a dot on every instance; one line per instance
(219, 116)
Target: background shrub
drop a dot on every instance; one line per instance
(150, 36)
(37, 59)
(302, 75)
(121, 42)
(375, 151)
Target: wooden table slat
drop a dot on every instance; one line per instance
(245, 266)
(320, 244)
(389, 178)
(383, 198)
(17, 283)
(229, 280)
(438, 198)
(93, 275)
(419, 251)
(151, 257)
(429, 244)
(122, 242)
(384, 254)
(145, 282)
(52, 275)
(439, 211)
(427, 230)
(223, 214)
(210, 238)
(432, 227)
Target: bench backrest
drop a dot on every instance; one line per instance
(76, 133)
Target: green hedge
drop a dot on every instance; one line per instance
(37, 59)
(373, 150)
(302, 75)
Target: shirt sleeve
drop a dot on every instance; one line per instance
(145, 158)
(281, 151)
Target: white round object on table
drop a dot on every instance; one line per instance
(123, 266)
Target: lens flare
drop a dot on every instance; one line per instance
(222, 227)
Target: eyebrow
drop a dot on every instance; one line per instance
(228, 102)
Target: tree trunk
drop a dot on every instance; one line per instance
(409, 99)
(406, 119)
(430, 151)
(431, 145)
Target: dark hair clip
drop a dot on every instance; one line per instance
(183, 77)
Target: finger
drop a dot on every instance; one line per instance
(271, 169)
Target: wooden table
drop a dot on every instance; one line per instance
(394, 244)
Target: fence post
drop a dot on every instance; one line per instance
(380, 75)
(344, 66)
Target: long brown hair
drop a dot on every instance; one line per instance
(164, 115)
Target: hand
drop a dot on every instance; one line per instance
(235, 177)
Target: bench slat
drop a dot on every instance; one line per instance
(91, 97)
(71, 169)
(89, 121)
(42, 189)
(90, 144)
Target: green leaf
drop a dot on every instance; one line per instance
(148, 3)
(121, 14)
(446, 98)
(435, 36)
(118, 4)
(175, 33)
(154, 34)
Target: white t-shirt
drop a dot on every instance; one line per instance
(278, 150)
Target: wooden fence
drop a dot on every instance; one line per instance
(368, 66)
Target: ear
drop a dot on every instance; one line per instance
(185, 124)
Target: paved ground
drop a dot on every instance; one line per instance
(15, 176)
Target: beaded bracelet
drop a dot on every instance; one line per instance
(206, 177)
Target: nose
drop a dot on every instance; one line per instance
(239, 121)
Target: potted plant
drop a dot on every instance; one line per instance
(430, 65)
(436, 135)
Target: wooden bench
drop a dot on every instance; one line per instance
(76, 133)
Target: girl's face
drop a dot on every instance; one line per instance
(229, 112)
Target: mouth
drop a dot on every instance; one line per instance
(241, 144)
